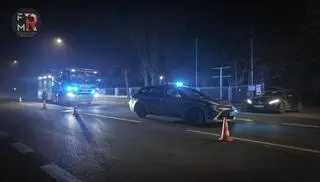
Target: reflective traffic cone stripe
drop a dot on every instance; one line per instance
(227, 129)
(223, 130)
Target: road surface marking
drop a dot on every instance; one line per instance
(4, 134)
(111, 117)
(292, 115)
(22, 148)
(259, 114)
(244, 119)
(58, 173)
(259, 142)
(302, 125)
(68, 110)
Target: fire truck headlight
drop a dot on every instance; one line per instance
(70, 94)
(96, 95)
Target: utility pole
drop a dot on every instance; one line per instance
(221, 76)
(197, 63)
(251, 58)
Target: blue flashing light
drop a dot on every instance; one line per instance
(179, 84)
(93, 91)
(235, 110)
(69, 88)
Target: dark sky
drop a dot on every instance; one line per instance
(99, 35)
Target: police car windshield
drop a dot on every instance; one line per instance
(273, 93)
(191, 92)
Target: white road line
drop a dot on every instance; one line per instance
(260, 142)
(68, 110)
(4, 134)
(243, 119)
(302, 125)
(58, 173)
(22, 148)
(112, 117)
(292, 115)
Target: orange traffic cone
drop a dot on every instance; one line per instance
(75, 113)
(225, 133)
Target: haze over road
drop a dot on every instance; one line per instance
(109, 143)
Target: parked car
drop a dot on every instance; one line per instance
(183, 102)
(276, 100)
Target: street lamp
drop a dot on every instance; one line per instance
(161, 78)
(58, 41)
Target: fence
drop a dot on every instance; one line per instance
(232, 93)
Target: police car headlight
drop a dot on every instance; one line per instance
(275, 101)
(70, 94)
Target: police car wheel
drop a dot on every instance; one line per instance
(282, 108)
(195, 116)
(141, 111)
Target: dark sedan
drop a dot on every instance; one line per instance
(279, 101)
(183, 102)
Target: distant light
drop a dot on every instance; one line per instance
(99, 80)
(95, 72)
(235, 110)
(70, 94)
(73, 70)
(58, 41)
(44, 77)
(49, 76)
(15, 62)
(161, 77)
(14, 89)
(93, 91)
(179, 84)
(40, 78)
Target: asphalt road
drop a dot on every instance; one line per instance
(109, 143)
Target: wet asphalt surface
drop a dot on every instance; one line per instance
(109, 143)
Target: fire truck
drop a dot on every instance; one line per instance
(70, 85)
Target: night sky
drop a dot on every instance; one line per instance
(99, 36)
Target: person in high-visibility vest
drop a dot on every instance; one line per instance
(44, 98)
